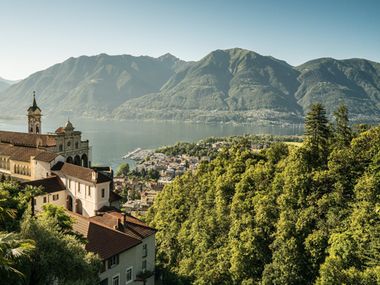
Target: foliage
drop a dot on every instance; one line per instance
(285, 215)
(43, 248)
(58, 255)
(13, 250)
(122, 170)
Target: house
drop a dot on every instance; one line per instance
(125, 244)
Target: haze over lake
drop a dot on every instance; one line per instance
(110, 140)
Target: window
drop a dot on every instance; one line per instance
(115, 280)
(145, 250)
(60, 147)
(104, 282)
(34, 201)
(89, 191)
(55, 197)
(143, 266)
(129, 275)
(45, 200)
(78, 187)
(103, 192)
(114, 260)
(76, 145)
(69, 143)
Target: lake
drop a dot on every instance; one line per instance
(110, 140)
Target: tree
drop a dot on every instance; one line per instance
(343, 132)
(123, 170)
(317, 134)
(64, 222)
(58, 256)
(282, 216)
(12, 250)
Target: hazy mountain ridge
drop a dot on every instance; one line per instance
(4, 83)
(226, 85)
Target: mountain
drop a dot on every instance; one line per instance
(233, 85)
(225, 85)
(91, 86)
(4, 83)
(356, 82)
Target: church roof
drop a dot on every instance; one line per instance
(46, 156)
(26, 139)
(34, 107)
(20, 153)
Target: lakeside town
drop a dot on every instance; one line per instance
(154, 169)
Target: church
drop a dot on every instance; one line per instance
(60, 164)
(56, 159)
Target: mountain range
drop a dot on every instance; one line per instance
(233, 85)
(4, 83)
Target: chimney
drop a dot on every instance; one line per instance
(94, 176)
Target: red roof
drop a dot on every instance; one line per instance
(26, 139)
(125, 223)
(21, 153)
(103, 239)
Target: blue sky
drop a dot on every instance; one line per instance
(37, 34)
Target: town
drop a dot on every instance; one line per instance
(59, 165)
(140, 186)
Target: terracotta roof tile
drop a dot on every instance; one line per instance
(129, 225)
(26, 139)
(103, 240)
(46, 156)
(107, 242)
(81, 223)
(19, 153)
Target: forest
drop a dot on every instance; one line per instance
(306, 214)
(40, 249)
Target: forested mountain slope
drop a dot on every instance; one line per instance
(286, 215)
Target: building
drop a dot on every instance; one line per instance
(125, 244)
(59, 164)
(128, 255)
(65, 141)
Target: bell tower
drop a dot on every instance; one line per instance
(34, 117)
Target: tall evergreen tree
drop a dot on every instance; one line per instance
(317, 133)
(343, 132)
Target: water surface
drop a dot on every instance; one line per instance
(110, 140)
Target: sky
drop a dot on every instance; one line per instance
(37, 34)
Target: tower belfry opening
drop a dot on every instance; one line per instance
(34, 117)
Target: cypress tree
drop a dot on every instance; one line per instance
(317, 133)
(343, 131)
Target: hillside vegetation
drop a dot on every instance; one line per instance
(233, 85)
(306, 214)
